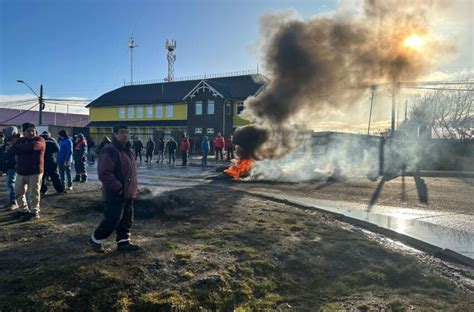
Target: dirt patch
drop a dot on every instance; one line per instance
(209, 248)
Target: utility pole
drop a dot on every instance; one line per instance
(394, 93)
(372, 90)
(41, 106)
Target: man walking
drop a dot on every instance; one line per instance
(50, 164)
(64, 159)
(9, 165)
(29, 151)
(184, 150)
(150, 147)
(80, 155)
(118, 174)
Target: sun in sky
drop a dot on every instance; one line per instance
(413, 42)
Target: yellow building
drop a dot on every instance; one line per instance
(196, 107)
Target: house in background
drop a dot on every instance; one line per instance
(196, 107)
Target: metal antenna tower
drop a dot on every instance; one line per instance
(170, 45)
(131, 45)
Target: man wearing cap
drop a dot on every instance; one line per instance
(117, 171)
(29, 151)
(50, 164)
(9, 164)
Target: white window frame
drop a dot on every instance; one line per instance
(149, 112)
(210, 130)
(140, 112)
(169, 110)
(132, 110)
(211, 103)
(198, 130)
(199, 105)
(159, 111)
(122, 112)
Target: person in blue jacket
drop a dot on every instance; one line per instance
(205, 149)
(64, 159)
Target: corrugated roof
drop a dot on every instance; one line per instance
(236, 87)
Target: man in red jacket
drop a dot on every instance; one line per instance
(219, 145)
(184, 150)
(29, 151)
(118, 174)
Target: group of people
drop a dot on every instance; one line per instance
(29, 160)
(171, 146)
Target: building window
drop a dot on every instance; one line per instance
(131, 112)
(198, 107)
(227, 108)
(149, 112)
(140, 112)
(210, 130)
(122, 112)
(169, 111)
(210, 107)
(159, 111)
(240, 107)
(198, 130)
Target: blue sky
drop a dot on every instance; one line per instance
(80, 48)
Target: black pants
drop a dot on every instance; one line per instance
(230, 153)
(219, 151)
(149, 156)
(184, 156)
(118, 217)
(80, 166)
(138, 153)
(51, 170)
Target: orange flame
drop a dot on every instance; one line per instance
(239, 169)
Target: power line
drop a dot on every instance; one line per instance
(18, 115)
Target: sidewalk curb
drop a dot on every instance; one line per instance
(445, 254)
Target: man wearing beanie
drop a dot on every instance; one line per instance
(9, 164)
(29, 151)
(64, 159)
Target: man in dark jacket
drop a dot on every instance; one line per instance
(171, 146)
(9, 165)
(51, 165)
(138, 147)
(80, 156)
(150, 147)
(161, 150)
(118, 174)
(29, 151)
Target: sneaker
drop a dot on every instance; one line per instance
(12, 206)
(83, 178)
(127, 247)
(19, 213)
(30, 216)
(97, 247)
(69, 188)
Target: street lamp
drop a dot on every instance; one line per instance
(40, 100)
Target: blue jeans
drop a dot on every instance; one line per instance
(65, 169)
(11, 178)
